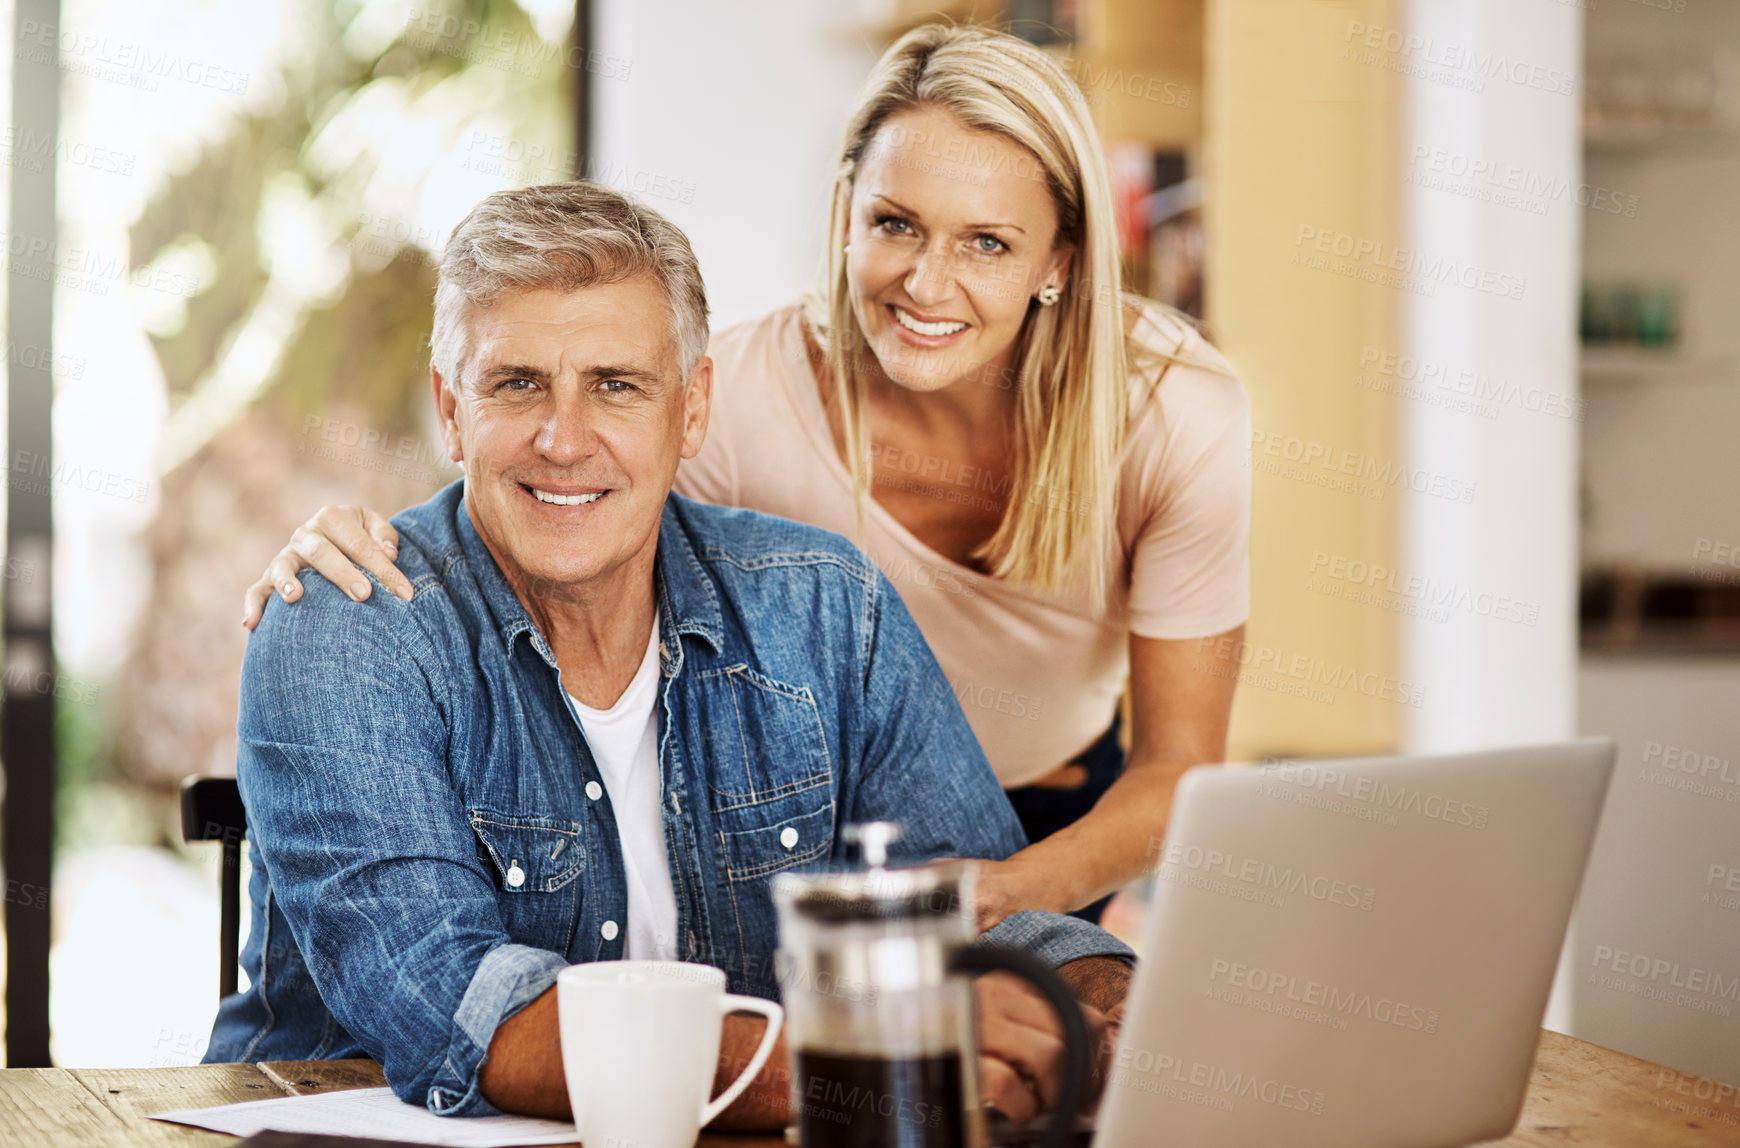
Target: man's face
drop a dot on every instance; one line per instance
(570, 416)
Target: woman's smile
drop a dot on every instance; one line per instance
(926, 332)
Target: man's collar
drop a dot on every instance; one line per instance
(687, 603)
(510, 614)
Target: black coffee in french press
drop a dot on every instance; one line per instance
(873, 966)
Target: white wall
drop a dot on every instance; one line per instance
(738, 108)
(1658, 883)
(1490, 179)
(1510, 555)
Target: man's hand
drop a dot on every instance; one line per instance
(524, 1070)
(765, 1106)
(1021, 1053)
(1102, 983)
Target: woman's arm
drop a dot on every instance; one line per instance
(334, 534)
(1180, 701)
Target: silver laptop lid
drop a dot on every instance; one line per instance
(1352, 953)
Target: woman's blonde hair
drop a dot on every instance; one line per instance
(1071, 359)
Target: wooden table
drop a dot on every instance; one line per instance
(1579, 1094)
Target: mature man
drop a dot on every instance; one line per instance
(604, 720)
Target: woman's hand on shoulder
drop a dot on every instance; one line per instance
(330, 542)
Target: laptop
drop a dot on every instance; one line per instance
(1352, 953)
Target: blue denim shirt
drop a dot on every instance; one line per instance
(400, 759)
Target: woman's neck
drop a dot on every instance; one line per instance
(978, 408)
(981, 402)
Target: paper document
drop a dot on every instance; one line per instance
(372, 1112)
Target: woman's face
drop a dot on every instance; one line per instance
(951, 235)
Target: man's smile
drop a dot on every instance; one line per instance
(556, 498)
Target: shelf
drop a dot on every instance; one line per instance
(1678, 611)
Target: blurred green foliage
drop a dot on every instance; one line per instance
(367, 346)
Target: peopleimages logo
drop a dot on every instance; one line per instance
(1418, 591)
(1211, 867)
(120, 61)
(1306, 670)
(1335, 461)
(1723, 553)
(1678, 759)
(1689, 771)
(1003, 701)
(1722, 885)
(1318, 995)
(1417, 264)
(1470, 61)
(1483, 391)
(1328, 781)
(30, 472)
(1656, 978)
(1699, 1088)
(1175, 1078)
(1507, 184)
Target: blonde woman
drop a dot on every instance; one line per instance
(1052, 471)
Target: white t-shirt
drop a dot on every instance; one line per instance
(624, 743)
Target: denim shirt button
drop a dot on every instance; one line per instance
(788, 837)
(515, 875)
(594, 790)
(609, 930)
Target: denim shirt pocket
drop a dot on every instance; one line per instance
(536, 861)
(770, 778)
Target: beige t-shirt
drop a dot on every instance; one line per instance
(1038, 675)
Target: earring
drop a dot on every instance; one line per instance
(1049, 295)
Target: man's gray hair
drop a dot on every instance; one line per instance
(562, 237)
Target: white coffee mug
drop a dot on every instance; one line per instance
(640, 1042)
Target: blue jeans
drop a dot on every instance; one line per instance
(1044, 810)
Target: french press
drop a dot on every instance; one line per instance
(875, 965)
